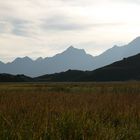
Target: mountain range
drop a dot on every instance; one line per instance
(127, 69)
(72, 58)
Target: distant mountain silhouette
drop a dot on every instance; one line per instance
(117, 53)
(71, 58)
(124, 70)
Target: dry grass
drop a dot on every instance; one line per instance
(70, 111)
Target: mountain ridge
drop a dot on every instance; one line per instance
(71, 58)
(128, 69)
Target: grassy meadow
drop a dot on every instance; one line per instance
(70, 111)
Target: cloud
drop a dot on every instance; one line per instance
(49, 26)
(128, 1)
(5, 27)
(62, 23)
(20, 27)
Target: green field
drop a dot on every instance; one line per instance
(70, 111)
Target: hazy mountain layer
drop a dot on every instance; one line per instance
(72, 58)
(124, 70)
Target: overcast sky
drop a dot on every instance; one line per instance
(37, 28)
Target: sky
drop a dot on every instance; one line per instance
(42, 28)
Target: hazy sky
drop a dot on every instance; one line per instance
(44, 27)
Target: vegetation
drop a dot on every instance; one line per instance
(70, 111)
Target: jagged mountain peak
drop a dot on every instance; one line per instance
(71, 58)
(39, 59)
(135, 42)
(26, 59)
(72, 49)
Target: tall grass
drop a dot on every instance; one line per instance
(70, 111)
